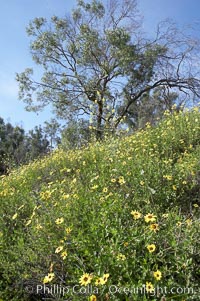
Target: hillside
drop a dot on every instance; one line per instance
(117, 220)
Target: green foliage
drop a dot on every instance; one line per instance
(76, 134)
(52, 131)
(18, 147)
(37, 143)
(11, 145)
(121, 216)
(97, 60)
(151, 107)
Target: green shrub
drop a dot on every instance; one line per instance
(112, 221)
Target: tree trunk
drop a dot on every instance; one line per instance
(99, 133)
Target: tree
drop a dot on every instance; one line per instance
(12, 151)
(96, 61)
(37, 143)
(150, 107)
(76, 134)
(18, 147)
(52, 130)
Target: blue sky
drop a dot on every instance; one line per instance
(14, 51)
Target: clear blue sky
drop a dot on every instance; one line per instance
(14, 51)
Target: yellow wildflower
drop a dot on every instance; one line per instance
(85, 279)
(65, 196)
(14, 216)
(93, 298)
(154, 227)
(104, 279)
(64, 255)
(48, 278)
(149, 287)
(59, 221)
(157, 275)
(28, 222)
(68, 230)
(105, 189)
(151, 248)
(121, 257)
(94, 187)
(136, 214)
(121, 180)
(165, 215)
(38, 227)
(149, 217)
(188, 222)
(98, 281)
(168, 177)
(59, 249)
(45, 195)
(113, 180)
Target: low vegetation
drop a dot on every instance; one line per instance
(117, 220)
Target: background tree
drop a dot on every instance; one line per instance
(18, 147)
(97, 60)
(76, 134)
(12, 149)
(52, 129)
(150, 107)
(37, 143)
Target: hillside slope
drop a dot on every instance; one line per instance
(117, 220)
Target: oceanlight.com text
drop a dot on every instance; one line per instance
(156, 291)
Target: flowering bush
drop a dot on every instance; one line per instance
(117, 220)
